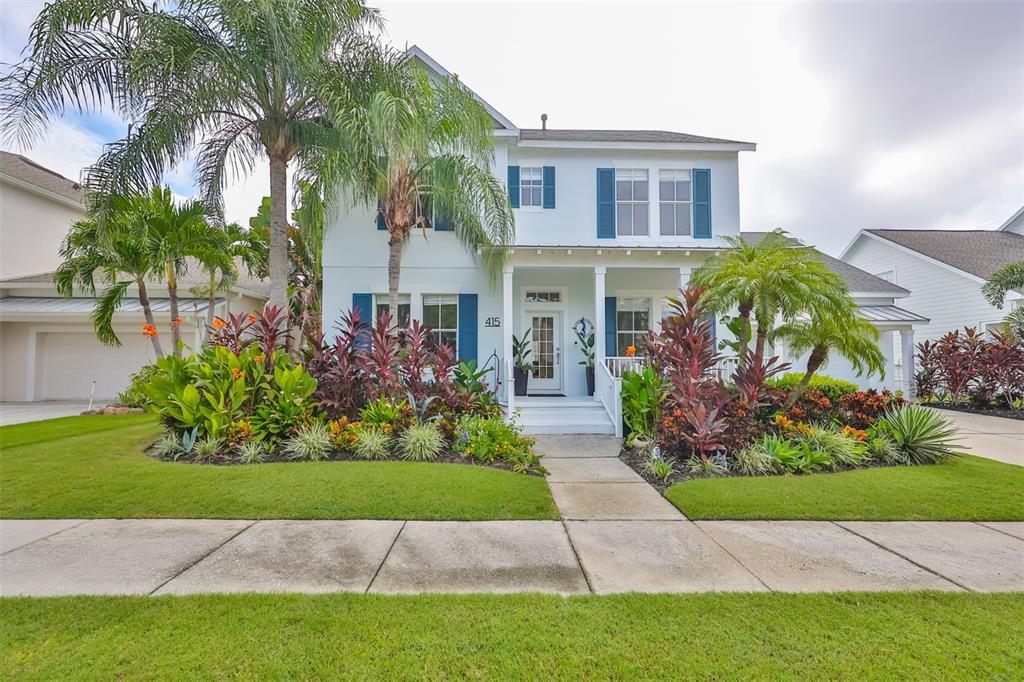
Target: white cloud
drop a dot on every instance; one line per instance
(65, 148)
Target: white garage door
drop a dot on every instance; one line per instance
(73, 360)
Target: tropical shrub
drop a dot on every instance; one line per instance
(843, 450)
(715, 465)
(862, 409)
(881, 449)
(386, 415)
(525, 462)
(344, 433)
(922, 435)
(489, 440)
(251, 452)
(372, 443)
(168, 446)
(661, 468)
(135, 394)
(753, 460)
(832, 388)
(970, 365)
(207, 449)
(422, 442)
(642, 395)
(310, 443)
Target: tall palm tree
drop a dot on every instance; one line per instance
(120, 259)
(247, 246)
(1002, 281)
(847, 335)
(421, 150)
(237, 81)
(775, 277)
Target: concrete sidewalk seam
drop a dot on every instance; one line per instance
(983, 524)
(57, 532)
(394, 541)
(731, 555)
(579, 561)
(839, 524)
(205, 555)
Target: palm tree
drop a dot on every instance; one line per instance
(237, 80)
(422, 149)
(121, 259)
(847, 335)
(771, 278)
(1002, 281)
(247, 246)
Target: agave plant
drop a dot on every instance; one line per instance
(923, 435)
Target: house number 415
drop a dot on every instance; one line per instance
(492, 322)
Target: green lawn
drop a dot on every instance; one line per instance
(851, 636)
(965, 488)
(94, 467)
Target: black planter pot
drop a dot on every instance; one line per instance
(590, 381)
(521, 379)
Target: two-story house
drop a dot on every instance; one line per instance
(608, 223)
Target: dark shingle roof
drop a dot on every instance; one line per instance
(856, 279)
(978, 252)
(29, 171)
(620, 136)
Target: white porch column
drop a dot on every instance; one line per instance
(506, 337)
(684, 277)
(599, 321)
(907, 354)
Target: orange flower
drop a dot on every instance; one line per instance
(149, 330)
(630, 351)
(237, 373)
(258, 358)
(252, 317)
(176, 322)
(219, 323)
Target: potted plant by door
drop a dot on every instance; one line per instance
(521, 362)
(584, 330)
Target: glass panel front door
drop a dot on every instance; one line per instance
(547, 352)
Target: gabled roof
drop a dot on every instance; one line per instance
(620, 136)
(976, 252)
(27, 172)
(857, 280)
(1016, 219)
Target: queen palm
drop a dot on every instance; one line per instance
(775, 277)
(421, 150)
(1002, 281)
(232, 81)
(846, 335)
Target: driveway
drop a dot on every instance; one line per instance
(995, 438)
(19, 413)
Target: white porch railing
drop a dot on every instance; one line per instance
(619, 365)
(608, 391)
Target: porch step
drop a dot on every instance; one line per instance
(563, 416)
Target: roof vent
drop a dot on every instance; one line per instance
(543, 121)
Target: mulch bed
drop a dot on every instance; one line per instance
(1004, 412)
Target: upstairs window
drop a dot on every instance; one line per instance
(380, 307)
(441, 314)
(631, 207)
(531, 186)
(675, 201)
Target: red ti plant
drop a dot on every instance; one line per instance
(959, 358)
(380, 362)
(750, 376)
(1003, 366)
(231, 333)
(416, 357)
(337, 369)
(706, 431)
(927, 377)
(270, 331)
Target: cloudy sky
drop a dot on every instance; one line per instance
(895, 114)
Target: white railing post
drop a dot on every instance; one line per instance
(506, 339)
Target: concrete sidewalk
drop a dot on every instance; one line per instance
(20, 413)
(995, 438)
(60, 557)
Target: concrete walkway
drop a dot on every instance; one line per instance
(42, 558)
(995, 438)
(20, 413)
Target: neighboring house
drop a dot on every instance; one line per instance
(1015, 224)
(608, 223)
(944, 271)
(48, 350)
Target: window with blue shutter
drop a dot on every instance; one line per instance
(513, 185)
(701, 203)
(549, 186)
(441, 222)
(363, 303)
(610, 329)
(710, 319)
(606, 203)
(467, 327)
(381, 223)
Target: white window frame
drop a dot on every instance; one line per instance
(633, 176)
(382, 300)
(673, 177)
(635, 307)
(531, 184)
(440, 300)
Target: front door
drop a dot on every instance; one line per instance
(546, 334)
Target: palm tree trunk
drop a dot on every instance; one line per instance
(814, 362)
(394, 273)
(279, 233)
(147, 311)
(211, 300)
(762, 340)
(744, 315)
(172, 297)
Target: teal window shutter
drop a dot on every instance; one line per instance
(363, 304)
(513, 185)
(610, 337)
(381, 224)
(606, 203)
(702, 203)
(467, 327)
(442, 223)
(710, 319)
(549, 186)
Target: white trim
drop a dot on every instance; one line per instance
(45, 193)
(562, 308)
(663, 146)
(1017, 214)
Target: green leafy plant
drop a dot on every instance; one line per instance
(584, 331)
(841, 449)
(188, 440)
(526, 462)
(833, 389)
(792, 458)
(754, 461)
(521, 350)
(135, 394)
(288, 404)
(207, 448)
(469, 378)
(372, 443)
(384, 414)
(708, 466)
(922, 435)
(489, 439)
(660, 467)
(643, 393)
(311, 443)
(882, 449)
(168, 446)
(251, 452)
(422, 442)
